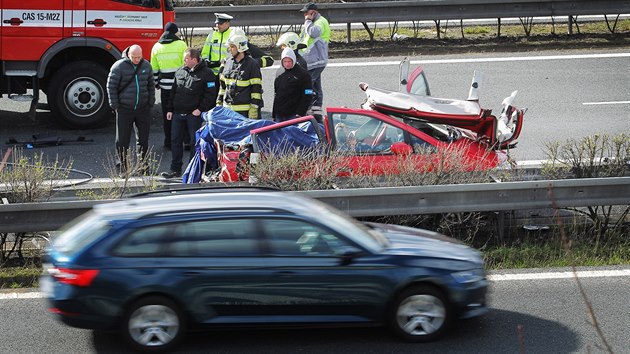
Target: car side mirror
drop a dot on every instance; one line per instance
(348, 253)
(401, 148)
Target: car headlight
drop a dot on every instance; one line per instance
(469, 276)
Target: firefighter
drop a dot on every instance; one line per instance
(292, 40)
(293, 91)
(240, 80)
(167, 56)
(316, 35)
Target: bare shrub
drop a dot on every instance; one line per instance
(592, 157)
(27, 180)
(137, 176)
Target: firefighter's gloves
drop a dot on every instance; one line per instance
(253, 112)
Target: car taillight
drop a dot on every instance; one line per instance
(76, 277)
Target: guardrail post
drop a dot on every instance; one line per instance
(570, 23)
(498, 27)
(349, 33)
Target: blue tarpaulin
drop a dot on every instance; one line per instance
(233, 129)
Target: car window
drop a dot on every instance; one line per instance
(215, 238)
(143, 242)
(295, 237)
(359, 133)
(82, 231)
(144, 3)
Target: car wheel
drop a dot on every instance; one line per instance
(420, 314)
(153, 324)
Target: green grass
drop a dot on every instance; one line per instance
(19, 277)
(529, 255)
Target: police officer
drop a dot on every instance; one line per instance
(167, 56)
(215, 48)
(240, 80)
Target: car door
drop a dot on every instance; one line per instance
(311, 281)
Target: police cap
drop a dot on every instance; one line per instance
(220, 17)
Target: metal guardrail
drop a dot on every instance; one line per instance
(32, 217)
(390, 11)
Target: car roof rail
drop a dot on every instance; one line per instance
(184, 189)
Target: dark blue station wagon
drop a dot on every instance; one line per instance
(156, 267)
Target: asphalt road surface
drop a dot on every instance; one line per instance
(568, 94)
(532, 311)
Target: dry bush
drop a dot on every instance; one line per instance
(592, 157)
(138, 176)
(27, 180)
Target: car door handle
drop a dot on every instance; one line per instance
(98, 22)
(14, 21)
(191, 274)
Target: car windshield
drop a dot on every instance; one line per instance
(80, 232)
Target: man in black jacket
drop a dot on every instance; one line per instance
(194, 91)
(293, 89)
(131, 92)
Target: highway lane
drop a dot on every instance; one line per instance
(569, 94)
(541, 312)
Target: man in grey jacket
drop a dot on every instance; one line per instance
(131, 91)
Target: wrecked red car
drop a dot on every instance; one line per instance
(372, 139)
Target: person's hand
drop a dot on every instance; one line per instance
(196, 112)
(169, 115)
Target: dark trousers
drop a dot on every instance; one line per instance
(140, 122)
(318, 94)
(164, 96)
(180, 125)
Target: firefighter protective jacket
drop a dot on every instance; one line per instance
(241, 86)
(167, 56)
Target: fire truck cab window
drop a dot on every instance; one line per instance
(144, 3)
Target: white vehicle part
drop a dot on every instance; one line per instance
(505, 122)
(473, 94)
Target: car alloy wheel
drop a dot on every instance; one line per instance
(421, 314)
(154, 324)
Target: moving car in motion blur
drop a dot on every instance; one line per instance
(154, 267)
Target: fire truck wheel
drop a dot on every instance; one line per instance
(78, 97)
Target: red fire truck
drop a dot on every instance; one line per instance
(66, 47)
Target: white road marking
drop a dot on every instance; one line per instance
(600, 103)
(491, 277)
(487, 60)
(560, 275)
(474, 60)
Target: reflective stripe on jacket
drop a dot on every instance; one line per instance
(241, 85)
(316, 35)
(215, 48)
(166, 58)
